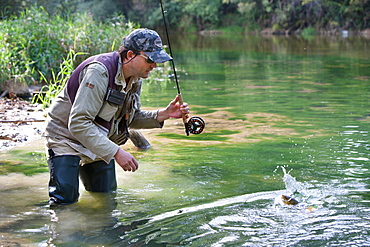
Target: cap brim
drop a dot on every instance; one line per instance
(158, 56)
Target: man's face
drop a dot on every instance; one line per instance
(143, 65)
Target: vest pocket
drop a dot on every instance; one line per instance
(107, 111)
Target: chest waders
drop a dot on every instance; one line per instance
(63, 183)
(64, 170)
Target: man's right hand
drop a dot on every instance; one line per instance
(126, 161)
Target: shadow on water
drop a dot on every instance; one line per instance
(285, 116)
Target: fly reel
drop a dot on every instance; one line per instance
(195, 125)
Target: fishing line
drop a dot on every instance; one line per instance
(195, 125)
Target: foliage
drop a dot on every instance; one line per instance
(173, 15)
(58, 80)
(199, 15)
(34, 41)
(204, 13)
(310, 31)
(252, 14)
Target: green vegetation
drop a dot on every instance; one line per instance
(28, 163)
(56, 84)
(307, 32)
(189, 15)
(36, 42)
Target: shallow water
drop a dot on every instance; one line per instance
(284, 115)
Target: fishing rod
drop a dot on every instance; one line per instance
(195, 125)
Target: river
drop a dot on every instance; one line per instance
(284, 116)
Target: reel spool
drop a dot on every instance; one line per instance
(196, 125)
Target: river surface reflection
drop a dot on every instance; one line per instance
(284, 115)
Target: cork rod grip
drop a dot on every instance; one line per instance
(184, 120)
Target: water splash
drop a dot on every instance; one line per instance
(291, 183)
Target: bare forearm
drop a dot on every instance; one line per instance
(162, 115)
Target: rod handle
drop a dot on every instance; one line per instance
(184, 120)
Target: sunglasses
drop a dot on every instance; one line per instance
(147, 59)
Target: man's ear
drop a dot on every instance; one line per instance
(131, 54)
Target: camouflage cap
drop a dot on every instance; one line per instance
(149, 42)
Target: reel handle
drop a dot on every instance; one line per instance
(184, 120)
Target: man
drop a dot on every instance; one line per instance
(90, 118)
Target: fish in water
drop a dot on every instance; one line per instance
(289, 200)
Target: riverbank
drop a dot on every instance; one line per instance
(20, 122)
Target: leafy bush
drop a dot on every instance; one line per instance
(310, 31)
(35, 42)
(57, 82)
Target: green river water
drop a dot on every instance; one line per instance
(284, 115)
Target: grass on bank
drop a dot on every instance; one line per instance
(35, 43)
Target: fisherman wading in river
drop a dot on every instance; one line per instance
(91, 117)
